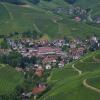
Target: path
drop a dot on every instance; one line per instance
(90, 17)
(96, 59)
(10, 14)
(85, 80)
(76, 69)
(2, 66)
(37, 29)
(26, 6)
(89, 86)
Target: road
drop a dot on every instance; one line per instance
(90, 87)
(85, 81)
(76, 69)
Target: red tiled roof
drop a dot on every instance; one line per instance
(48, 49)
(39, 89)
(49, 59)
(45, 49)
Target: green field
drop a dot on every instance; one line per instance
(94, 82)
(9, 79)
(40, 18)
(68, 85)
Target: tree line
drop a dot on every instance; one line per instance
(19, 2)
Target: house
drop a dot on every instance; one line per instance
(78, 19)
(93, 40)
(72, 45)
(77, 52)
(26, 96)
(39, 89)
(19, 69)
(48, 51)
(48, 67)
(39, 71)
(45, 51)
(97, 19)
(49, 59)
(61, 64)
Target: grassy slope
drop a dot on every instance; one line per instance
(38, 17)
(9, 79)
(67, 85)
(93, 4)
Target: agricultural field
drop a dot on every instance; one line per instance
(40, 18)
(94, 82)
(69, 85)
(9, 79)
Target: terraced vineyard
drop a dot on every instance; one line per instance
(95, 82)
(70, 85)
(40, 18)
(9, 79)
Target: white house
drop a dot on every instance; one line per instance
(61, 65)
(48, 66)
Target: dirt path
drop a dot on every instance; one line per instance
(10, 14)
(85, 81)
(2, 66)
(96, 59)
(26, 6)
(89, 86)
(36, 28)
(76, 69)
(90, 16)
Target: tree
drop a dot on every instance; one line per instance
(70, 1)
(48, 0)
(35, 1)
(4, 44)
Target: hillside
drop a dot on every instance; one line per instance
(78, 81)
(40, 17)
(9, 80)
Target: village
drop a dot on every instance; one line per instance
(49, 55)
(78, 14)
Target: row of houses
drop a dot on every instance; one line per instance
(50, 51)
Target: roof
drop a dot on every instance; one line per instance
(49, 59)
(48, 50)
(39, 89)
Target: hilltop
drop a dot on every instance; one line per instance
(41, 18)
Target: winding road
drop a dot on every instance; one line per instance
(96, 59)
(76, 69)
(85, 80)
(90, 87)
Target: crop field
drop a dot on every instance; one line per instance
(40, 18)
(9, 79)
(94, 82)
(68, 85)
